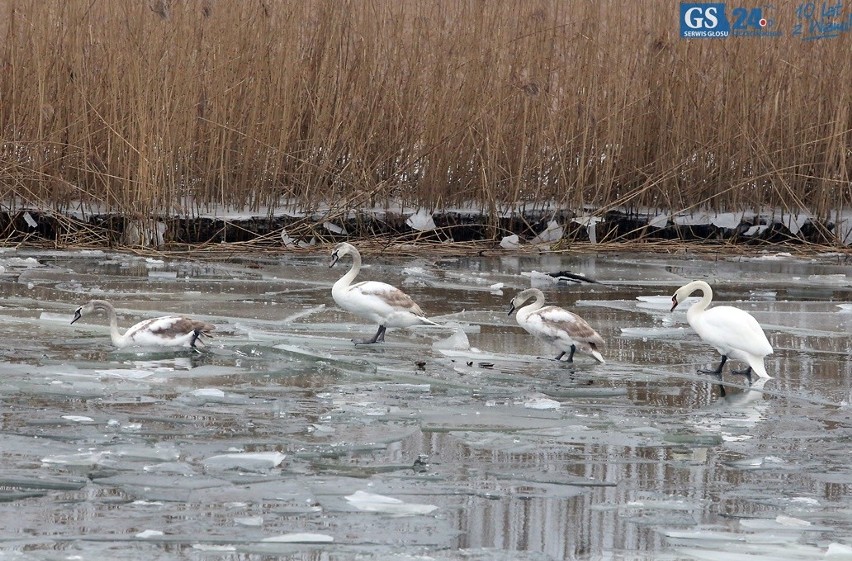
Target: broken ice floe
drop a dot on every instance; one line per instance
(590, 222)
(422, 221)
(511, 242)
(300, 537)
(371, 502)
(245, 461)
(552, 233)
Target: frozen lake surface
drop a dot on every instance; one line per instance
(281, 439)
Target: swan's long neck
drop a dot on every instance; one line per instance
(706, 298)
(536, 304)
(344, 281)
(117, 338)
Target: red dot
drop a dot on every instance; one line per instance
(762, 22)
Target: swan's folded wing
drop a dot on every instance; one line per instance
(735, 328)
(554, 320)
(390, 296)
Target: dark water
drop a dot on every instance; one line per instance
(477, 450)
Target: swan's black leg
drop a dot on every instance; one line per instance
(718, 370)
(746, 373)
(722, 392)
(560, 356)
(378, 337)
(195, 335)
(571, 356)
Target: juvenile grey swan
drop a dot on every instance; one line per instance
(378, 302)
(733, 332)
(565, 330)
(166, 331)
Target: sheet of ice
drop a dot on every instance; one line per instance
(457, 341)
(541, 403)
(302, 537)
(659, 221)
(728, 220)
(421, 221)
(371, 502)
(552, 233)
(245, 461)
(334, 228)
(539, 280)
(144, 534)
(510, 242)
(756, 230)
(78, 418)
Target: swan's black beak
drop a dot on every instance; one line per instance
(511, 308)
(77, 315)
(674, 302)
(334, 258)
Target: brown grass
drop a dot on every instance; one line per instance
(174, 107)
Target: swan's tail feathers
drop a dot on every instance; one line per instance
(758, 367)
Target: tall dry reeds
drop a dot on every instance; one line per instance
(171, 107)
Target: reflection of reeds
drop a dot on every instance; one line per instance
(163, 107)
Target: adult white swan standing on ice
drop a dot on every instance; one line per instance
(733, 332)
(166, 331)
(378, 302)
(566, 331)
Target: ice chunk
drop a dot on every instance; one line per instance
(28, 218)
(755, 230)
(845, 308)
(794, 222)
(149, 534)
(78, 418)
(838, 552)
(659, 221)
(249, 521)
(538, 279)
(726, 220)
(208, 392)
(457, 341)
(371, 502)
(334, 228)
(301, 537)
(590, 222)
(692, 219)
(511, 242)
(421, 221)
(245, 461)
(542, 403)
(552, 233)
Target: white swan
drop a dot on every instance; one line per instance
(733, 332)
(379, 302)
(566, 331)
(166, 331)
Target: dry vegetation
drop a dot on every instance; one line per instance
(165, 107)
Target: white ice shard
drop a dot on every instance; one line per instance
(300, 537)
(245, 461)
(511, 242)
(552, 233)
(371, 502)
(422, 221)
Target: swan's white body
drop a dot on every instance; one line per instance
(564, 330)
(378, 302)
(166, 331)
(731, 331)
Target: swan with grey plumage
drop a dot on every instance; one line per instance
(166, 331)
(378, 302)
(731, 331)
(565, 330)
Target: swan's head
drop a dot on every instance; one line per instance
(522, 297)
(87, 309)
(78, 313)
(339, 251)
(686, 290)
(83, 310)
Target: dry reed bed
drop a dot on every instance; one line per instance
(167, 108)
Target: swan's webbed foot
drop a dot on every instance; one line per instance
(746, 373)
(718, 371)
(379, 337)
